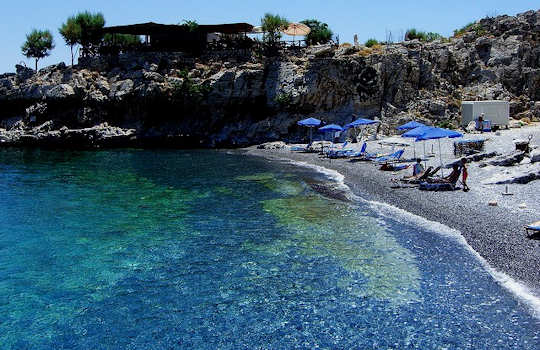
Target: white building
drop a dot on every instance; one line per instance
(497, 112)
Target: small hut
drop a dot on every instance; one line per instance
(172, 37)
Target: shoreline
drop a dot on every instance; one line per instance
(496, 234)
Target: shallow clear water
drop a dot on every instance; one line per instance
(190, 249)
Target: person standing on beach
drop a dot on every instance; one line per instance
(464, 174)
(481, 123)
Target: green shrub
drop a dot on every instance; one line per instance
(272, 26)
(191, 25)
(462, 30)
(38, 44)
(445, 124)
(188, 89)
(371, 42)
(412, 34)
(122, 40)
(320, 33)
(283, 99)
(431, 36)
(477, 28)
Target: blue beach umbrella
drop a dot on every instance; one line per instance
(417, 132)
(330, 128)
(410, 125)
(438, 134)
(310, 123)
(360, 122)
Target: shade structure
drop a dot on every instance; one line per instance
(295, 29)
(331, 128)
(415, 133)
(360, 122)
(310, 123)
(438, 133)
(410, 125)
(257, 30)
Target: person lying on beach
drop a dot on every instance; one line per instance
(421, 176)
(450, 179)
(391, 167)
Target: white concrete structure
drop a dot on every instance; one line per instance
(498, 112)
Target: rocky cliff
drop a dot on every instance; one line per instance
(174, 100)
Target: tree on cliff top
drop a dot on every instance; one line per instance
(71, 32)
(320, 33)
(38, 44)
(91, 25)
(272, 26)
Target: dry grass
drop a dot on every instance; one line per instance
(367, 51)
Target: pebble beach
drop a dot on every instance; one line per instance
(491, 222)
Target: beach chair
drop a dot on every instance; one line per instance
(415, 180)
(534, 228)
(393, 167)
(391, 157)
(363, 155)
(306, 149)
(340, 153)
(445, 184)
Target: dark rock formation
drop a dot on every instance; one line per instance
(508, 159)
(174, 100)
(522, 178)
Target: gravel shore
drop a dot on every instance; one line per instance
(495, 232)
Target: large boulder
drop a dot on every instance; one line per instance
(121, 88)
(535, 156)
(60, 92)
(508, 159)
(23, 72)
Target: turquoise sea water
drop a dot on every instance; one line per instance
(204, 250)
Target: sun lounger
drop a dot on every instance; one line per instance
(437, 186)
(391, 157)
(534, 228)
(445, 184)
(307, 149)
(393, 167)
(363, 155)
(340, 153)
(415, 179)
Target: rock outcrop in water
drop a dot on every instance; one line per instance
(170, 99)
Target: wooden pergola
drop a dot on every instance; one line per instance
(178, 37)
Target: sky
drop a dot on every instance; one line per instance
(367, 19)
